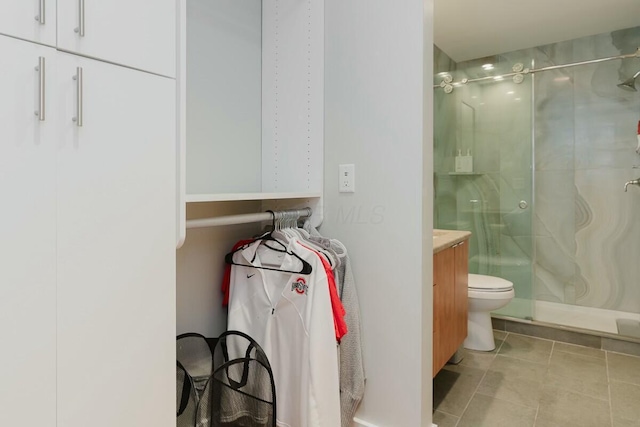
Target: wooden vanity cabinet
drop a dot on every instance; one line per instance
(450, 302)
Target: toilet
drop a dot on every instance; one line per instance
(486, 294)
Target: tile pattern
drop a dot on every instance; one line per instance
(555, 334)
(584, 225)
(564, 335)
(534, 382)
(584, 140)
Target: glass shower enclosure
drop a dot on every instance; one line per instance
(483, 165)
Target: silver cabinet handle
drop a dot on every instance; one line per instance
(79, 96)
(41, 89)
(40, 15)
(80, 28)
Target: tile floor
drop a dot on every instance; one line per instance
(533, 382)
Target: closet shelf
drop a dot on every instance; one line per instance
(231, 197)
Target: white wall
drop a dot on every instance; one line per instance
(378, 56)
(200, 266)
(428, 197)
(224, 92)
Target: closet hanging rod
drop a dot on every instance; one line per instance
(244, 218)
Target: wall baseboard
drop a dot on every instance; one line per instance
(357, 422)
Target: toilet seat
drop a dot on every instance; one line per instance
(482, 283)
(491, 295)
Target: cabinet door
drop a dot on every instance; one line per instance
(461, 290)
(28, 236)
(33, 20)
(116, 248)
(443, 308)
(136, 33)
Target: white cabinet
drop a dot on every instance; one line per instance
(252, 107)
(116, 247)
(33, 20)
(87, 261)
(251, 78)
(136, 33)
(28, 235)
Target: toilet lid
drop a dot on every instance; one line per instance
(489, 283)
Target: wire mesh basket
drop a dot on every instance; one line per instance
(229, 385)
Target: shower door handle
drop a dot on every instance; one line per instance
(523, 204)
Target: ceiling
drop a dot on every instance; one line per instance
(470, 29)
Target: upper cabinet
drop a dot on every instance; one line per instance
(251, 103)
(252, 107)
(33, 20)
(136, 33)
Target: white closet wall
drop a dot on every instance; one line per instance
(200, 265)
(224, 99)
(373, 109)
(253, 107)
(375, 106)
(293, 96)
(254, 99)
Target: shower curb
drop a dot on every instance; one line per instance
(598, 340)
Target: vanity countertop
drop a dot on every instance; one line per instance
(443, 239)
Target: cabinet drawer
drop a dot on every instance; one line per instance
(135, 33)
(32, 20)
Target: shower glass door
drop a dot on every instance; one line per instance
(489, 121)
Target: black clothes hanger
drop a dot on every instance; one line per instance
(306, 267)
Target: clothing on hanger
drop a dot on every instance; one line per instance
(291, 316)
(263, 241)
(340, 325)
(337, 308)
(330, 257)
(352, 374)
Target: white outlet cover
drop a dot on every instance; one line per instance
(347, 178)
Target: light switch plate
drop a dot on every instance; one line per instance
(347, 182)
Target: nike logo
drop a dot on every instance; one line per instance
(249, 276)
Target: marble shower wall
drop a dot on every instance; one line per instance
(584, 248)
(587, 228)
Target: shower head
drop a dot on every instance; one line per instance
(630, 83)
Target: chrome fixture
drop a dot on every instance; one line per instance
(40, 16)
(630, 83)
(78, 119)
(446, 83)
(519, 74)
(80, 28)
(41, 89)
(634, 182)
